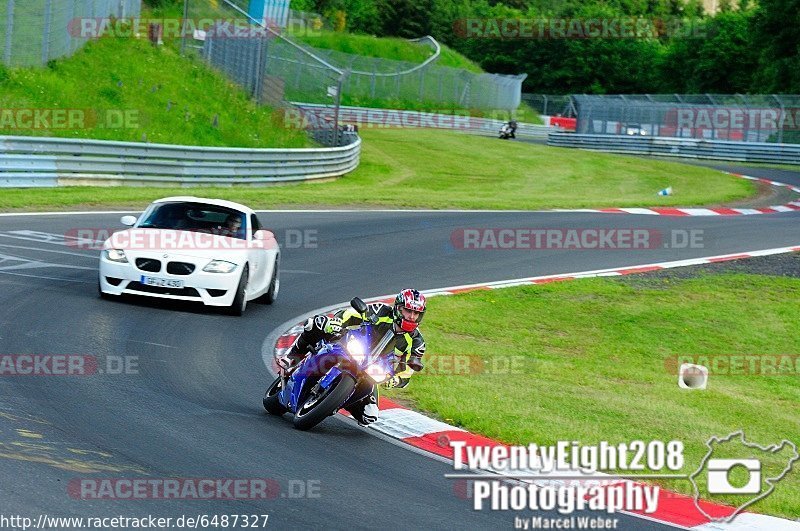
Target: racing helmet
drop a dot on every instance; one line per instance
(408, 299)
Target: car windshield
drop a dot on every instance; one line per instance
(196, 217)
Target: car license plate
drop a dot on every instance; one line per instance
(161, 282)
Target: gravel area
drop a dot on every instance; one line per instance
(784, 265)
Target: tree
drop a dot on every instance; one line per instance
(775, 34)
(720, 57)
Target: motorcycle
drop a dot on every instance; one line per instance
(508, 130)
(336, 375)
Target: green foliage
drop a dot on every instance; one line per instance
(720, 58)
(167, 98)
(162, 4)
(428, 168)
(384, 47)
(775, 34)
(746, 47)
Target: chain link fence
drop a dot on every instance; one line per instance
(411, 85)
(33, 32)
(550, 104)
(735, 117)
(275, 67)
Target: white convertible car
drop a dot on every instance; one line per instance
(193, 249)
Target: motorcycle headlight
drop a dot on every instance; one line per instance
(116, 255)
(377, 373)
(356, 351)
(219, 266)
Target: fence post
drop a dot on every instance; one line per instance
(261, 70)
(67, 34)
(782, 119)
(48, 14)
(9, 30)
(184, 26)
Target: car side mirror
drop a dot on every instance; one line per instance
(128, 221)
(359, 305)
(263, 235)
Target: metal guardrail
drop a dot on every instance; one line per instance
(51, 162)
(681, 147)
(389, 118)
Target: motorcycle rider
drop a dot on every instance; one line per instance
(508, 130)
(402, 318)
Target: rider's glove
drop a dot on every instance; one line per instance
(396, 381)
(333, 326)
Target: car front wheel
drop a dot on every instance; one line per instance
(271, 294)
(240, 300)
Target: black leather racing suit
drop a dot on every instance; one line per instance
(409, 347)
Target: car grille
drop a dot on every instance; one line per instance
(148, 264)
(183, 292)
(180, 268)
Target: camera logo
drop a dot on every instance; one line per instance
(752, 474)
(720, 470)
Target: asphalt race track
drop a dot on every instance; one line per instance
(190, 408)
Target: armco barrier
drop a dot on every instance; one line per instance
(49, 162)
(396, 118)
(681, 147)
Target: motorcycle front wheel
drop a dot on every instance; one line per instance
(271, 402)
(322, 403)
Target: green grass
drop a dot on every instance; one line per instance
(588, 364)
(172, 99)
(417, 168)
(368, 46)
(384, 48)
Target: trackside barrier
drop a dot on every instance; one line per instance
(390, 118)
(681, 147)
(51, 162)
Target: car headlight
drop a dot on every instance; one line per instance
(116, 255)
(356, 351)
(377, 373)
(219, 266)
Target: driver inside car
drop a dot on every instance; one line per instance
(232, 226)
(402, 318)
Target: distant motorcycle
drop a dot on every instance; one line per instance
(508, 129)
(330, 378)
